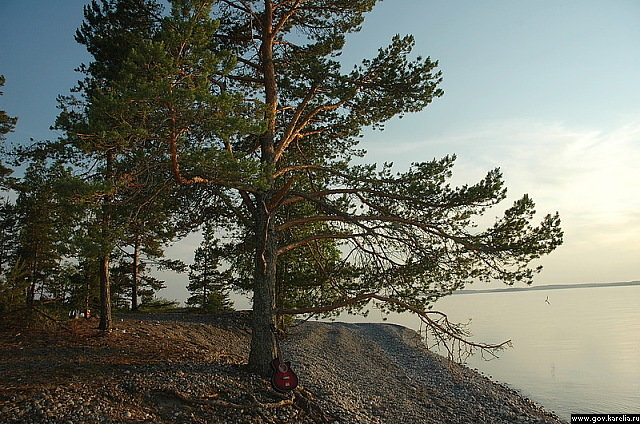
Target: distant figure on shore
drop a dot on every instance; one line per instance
(547, 300)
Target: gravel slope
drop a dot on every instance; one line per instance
(180, 368)
(379, 373)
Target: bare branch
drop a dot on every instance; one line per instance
(361, 218)
(286, 17)
(245, 78)
(244, 7)
(285, 142)
(437, 321)
(292, 128)
(316, 237)
(249, 63)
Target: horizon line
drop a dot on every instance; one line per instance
(550, 287)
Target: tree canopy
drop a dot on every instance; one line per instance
(246, 103)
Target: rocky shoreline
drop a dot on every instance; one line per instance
(179, 368)
(389, 377)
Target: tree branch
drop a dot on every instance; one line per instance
(284, 143)
(245, 78)
(244, 8)
(292, 127)
(440, 325)
(249, 63)
(287, 16)
(177, 173)
(275, 202)
(310, 239)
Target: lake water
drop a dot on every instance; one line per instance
(577, 353)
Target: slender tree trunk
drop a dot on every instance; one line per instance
(105, 284)
(263, 339)
(87, 287)
(31, 291)
(105, 294)
(205, 284)
(134, 283)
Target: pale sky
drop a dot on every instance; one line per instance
(549, 91)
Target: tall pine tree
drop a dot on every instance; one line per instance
(110, 31)
(407, 238)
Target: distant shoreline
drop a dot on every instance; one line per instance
(551, 287)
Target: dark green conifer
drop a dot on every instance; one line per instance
(208, 284)
(285, 185)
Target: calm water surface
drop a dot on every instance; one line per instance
(579, 353)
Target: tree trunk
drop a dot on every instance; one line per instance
(205, 293)
(31, 291)
(105, 294)
(264, 346)
(105, 284)
(134, 282)
(87, 287)
(263, 339)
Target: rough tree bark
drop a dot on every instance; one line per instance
(263, 340)
(264, 346)
(134, 278)
(105, 283)
(31, 291)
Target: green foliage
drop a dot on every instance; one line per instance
(108, 119)
(238, 114)
(122, 283)
(109, 30)
(208, 285)
(9, 230)
(166, 90)
(46, 222)
(158, 304)
(345, 231)
(7, 124)
(37, 233)
(13, 286)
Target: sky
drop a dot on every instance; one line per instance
(548, 91)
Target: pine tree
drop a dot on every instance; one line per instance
(207, 284)
(192, 89)
(110, 30)
(148, 225)
(7, 124)
(12, 271)
(45, 222)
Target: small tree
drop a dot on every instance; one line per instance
(10, 271)
(207, 284)
(9, 230)
(45, 221)
(13, 282)
(7, 124)
(148, 226)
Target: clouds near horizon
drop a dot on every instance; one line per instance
(590, 175)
